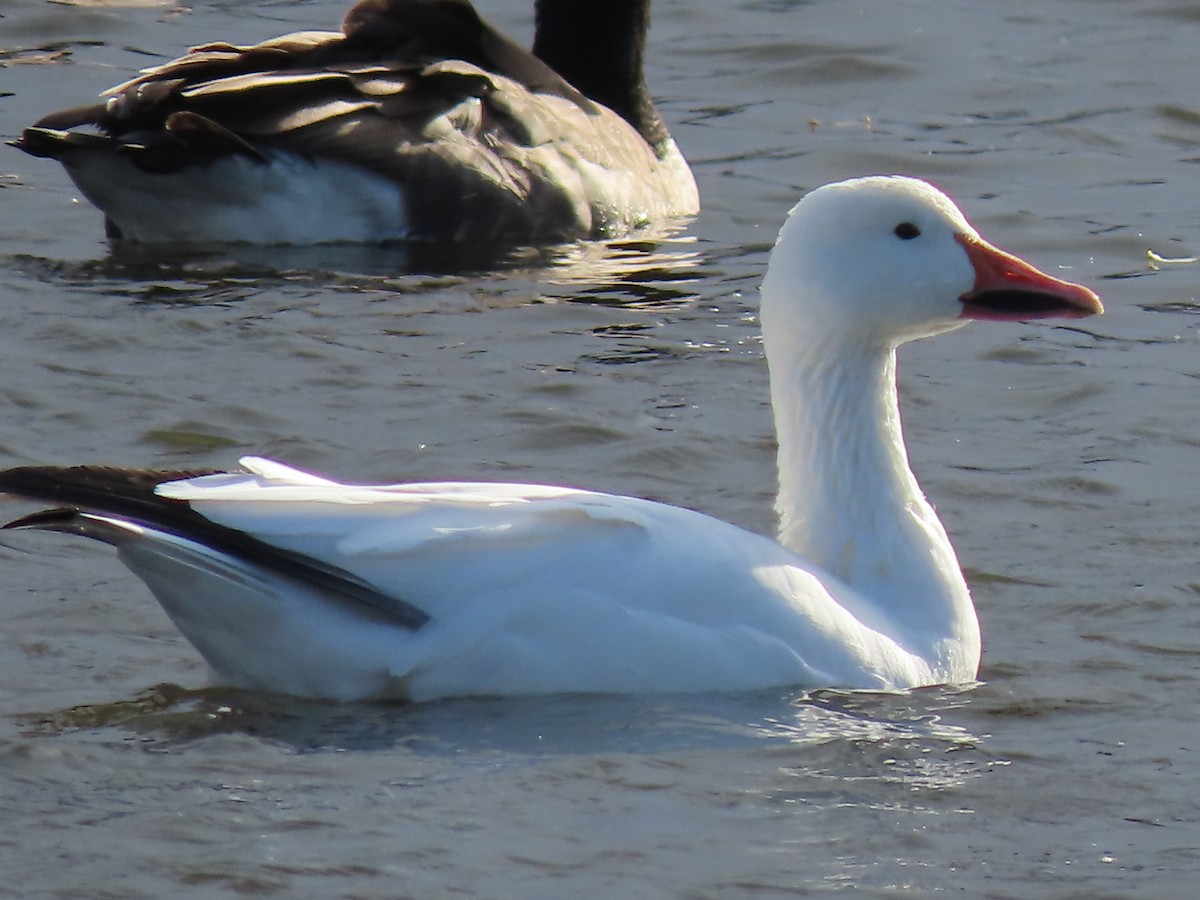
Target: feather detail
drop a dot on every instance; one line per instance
(425, 121)
(129, 495)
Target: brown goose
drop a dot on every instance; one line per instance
(418, 121)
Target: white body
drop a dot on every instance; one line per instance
(236, 199)
(529, 589)
(532, 588)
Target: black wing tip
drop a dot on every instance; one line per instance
(91, 495)
(45, 519)
(70, 520)
(60, 482)
(41, 143)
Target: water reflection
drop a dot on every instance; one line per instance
(885, 736)
(905, 741)
(651, 271)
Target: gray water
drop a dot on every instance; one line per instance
(1063, 461)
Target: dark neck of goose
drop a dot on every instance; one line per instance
(599, 46)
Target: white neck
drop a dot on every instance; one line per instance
(849, 502)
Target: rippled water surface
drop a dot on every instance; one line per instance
(1062, 459)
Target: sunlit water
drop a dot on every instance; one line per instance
(1063, 461)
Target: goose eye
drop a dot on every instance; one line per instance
(906, 231)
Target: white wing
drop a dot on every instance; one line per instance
(532, 588)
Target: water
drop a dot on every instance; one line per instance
(1062, 459)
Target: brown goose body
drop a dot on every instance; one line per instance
(418, 121)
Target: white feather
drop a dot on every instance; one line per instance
(534, 588)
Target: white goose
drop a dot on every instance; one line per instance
(288, 582)
(418, 121)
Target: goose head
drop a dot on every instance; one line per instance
(887, 259)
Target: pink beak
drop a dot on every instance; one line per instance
(1009, 289)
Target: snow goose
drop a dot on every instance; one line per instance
(287, 582)
(419, 121)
